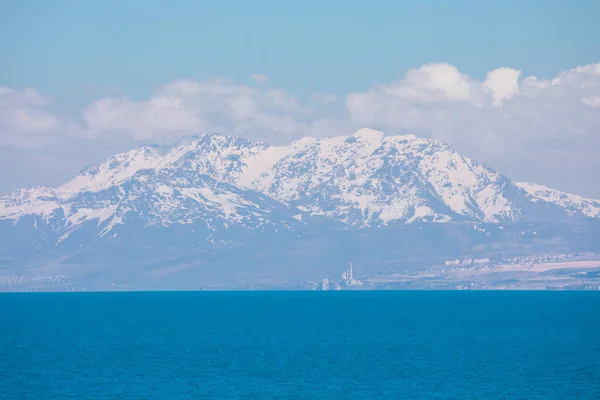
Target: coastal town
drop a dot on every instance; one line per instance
(541, 271)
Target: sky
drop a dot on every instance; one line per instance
(512, 84)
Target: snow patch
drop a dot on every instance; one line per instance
(261, 163)
(588, 207)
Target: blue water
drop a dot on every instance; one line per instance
(300, 345)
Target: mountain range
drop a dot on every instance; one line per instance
(230, 212)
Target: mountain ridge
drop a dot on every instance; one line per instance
(364, 179)
(220, 210)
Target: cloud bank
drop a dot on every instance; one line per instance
(513, 122)
(186, 106)
(501, 112)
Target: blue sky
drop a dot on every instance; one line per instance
(76, 53)
(333, 46)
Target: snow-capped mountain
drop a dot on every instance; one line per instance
(371, 179)
(365, 179)
(230, 201)
(151, 197)
(573, 204)
(186, 183)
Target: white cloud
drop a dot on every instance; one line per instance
(24, 118)
(503, 83)
(592, 101)
(405, 104)
(186, 106)
(27, 120)
(453, 106)
(27, 97)
(434, 83)
(260, 78)
(545, 130)
(161, 114)
(516, 125)
(279, 100)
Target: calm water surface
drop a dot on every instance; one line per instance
(300, 345)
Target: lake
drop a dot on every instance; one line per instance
(300, 345)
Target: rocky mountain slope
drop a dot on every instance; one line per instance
(365, 179)
(212, 192)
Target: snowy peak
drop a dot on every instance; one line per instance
(368, 179)
(363, 179)
(151, 197)
(37, 200)
(219, 156)
(571, 202)
(467, 187)
(113, 171)
(225, 209)
(368, 134)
